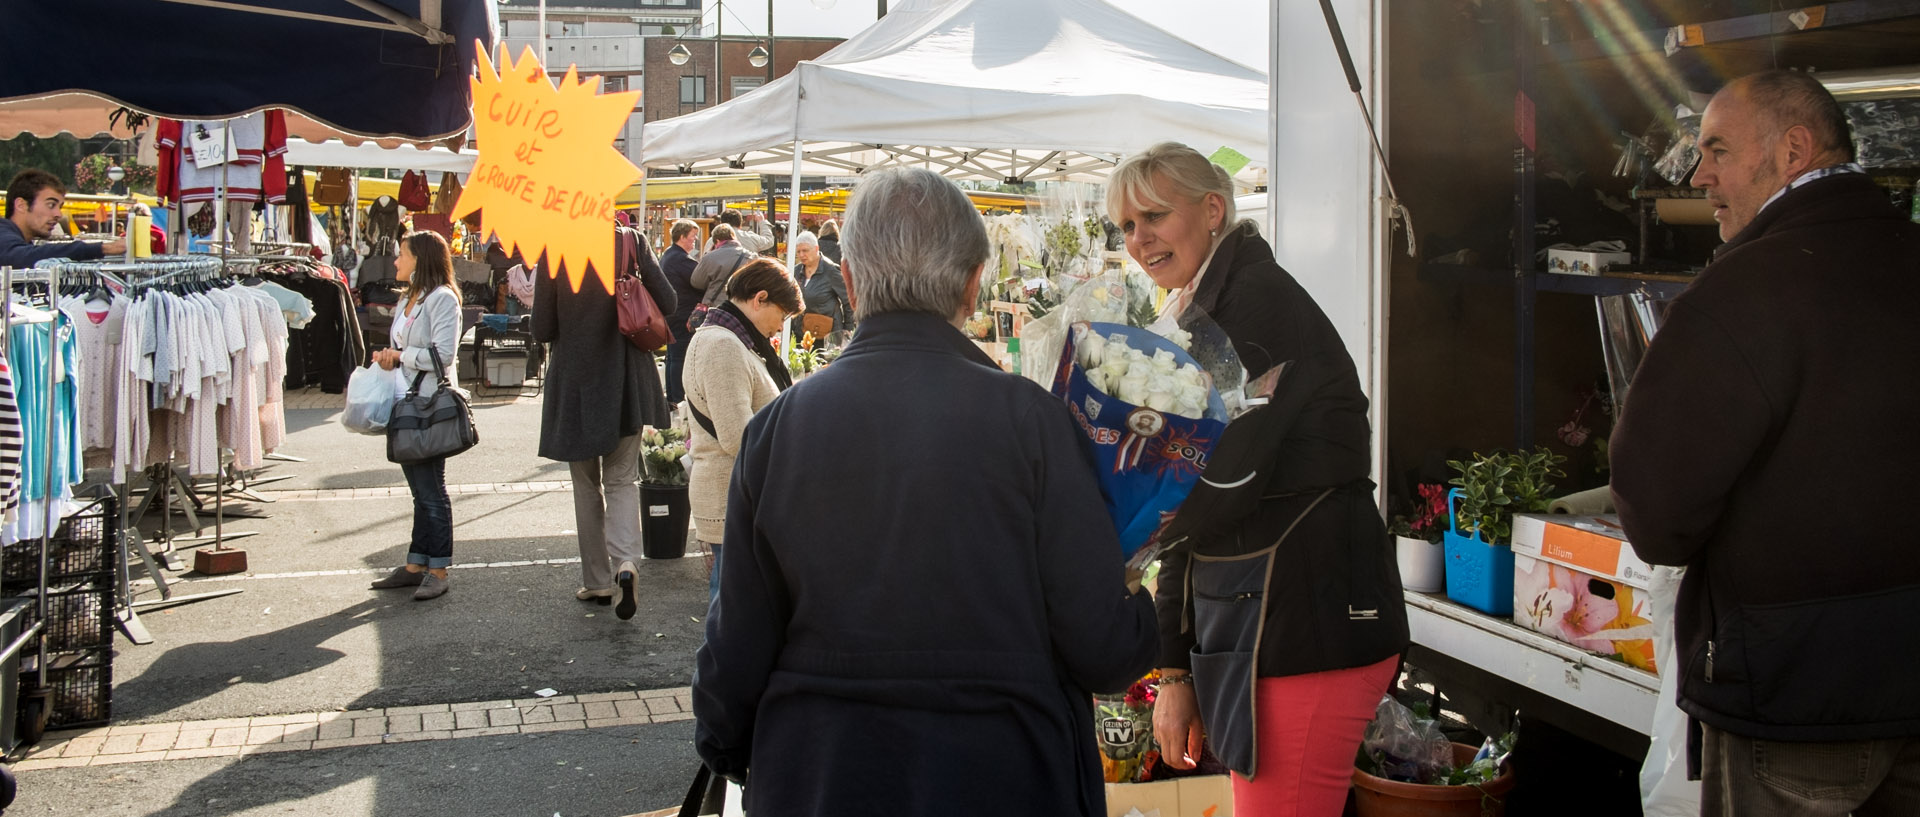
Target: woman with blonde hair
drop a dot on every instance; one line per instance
(1296, 546)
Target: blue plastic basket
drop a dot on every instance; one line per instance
(1479, 575)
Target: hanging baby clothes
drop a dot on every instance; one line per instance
(33, 348)
(98, 367)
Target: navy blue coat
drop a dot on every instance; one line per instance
(920, 589)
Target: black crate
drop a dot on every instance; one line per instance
(77, 619)
(82, 688)
(83, 548)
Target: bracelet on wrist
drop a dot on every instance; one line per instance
(1182, 678)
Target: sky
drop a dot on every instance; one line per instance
(1208, 23)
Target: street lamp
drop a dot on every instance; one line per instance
(679, 54)
(757, 57)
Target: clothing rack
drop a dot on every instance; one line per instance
(164, 480)
(37, 633)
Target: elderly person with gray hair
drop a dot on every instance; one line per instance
(821, 284)
(922, 586)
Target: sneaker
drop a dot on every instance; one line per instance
(629, 600)
(432, 587)
(604, 596)
(400, 577)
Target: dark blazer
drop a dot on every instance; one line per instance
(1766, 445)
(1314, 435)
(678, 266)
(599, 386)
(920, 589)
(825, 292)
(830, 247)
(17, 252)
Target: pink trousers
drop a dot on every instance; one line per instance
(1309, 727)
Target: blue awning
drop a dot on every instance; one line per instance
(375, 68)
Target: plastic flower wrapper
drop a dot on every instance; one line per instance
(1122, 295)
(1150, 413)
(1125, 730)
(1399, 745)
(663, 456)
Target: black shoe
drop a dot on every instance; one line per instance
(400, 577)
(629, 600)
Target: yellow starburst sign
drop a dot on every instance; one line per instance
(548, 174)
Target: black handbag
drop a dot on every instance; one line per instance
(423, 428)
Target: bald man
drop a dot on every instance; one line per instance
(1767, 446)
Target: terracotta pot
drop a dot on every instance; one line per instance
(1380, 797)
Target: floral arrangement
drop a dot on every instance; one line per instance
(663, 454)
(803, 358)
(1158, 382)
(90, 175)
(1428, 521)
(1125, 727)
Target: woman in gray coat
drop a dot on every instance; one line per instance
(600, 391)
(426, 325)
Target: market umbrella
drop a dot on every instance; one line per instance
(371, 68)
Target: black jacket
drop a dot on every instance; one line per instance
(17, 252)
(1767, 445)
(678, 266)
(1339, 564)
(921, 587)
(825, 293)
(599, 387)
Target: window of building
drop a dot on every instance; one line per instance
(573, 29)
(742, 85)
(693, 90)
(612, 84)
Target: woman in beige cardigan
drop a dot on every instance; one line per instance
(731, 372)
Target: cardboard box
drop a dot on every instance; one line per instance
(1595, 544)
(1577, 580)
(1580, 262)
(1204, 796)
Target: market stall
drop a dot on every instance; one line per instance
(390, 70)
(1556, 128)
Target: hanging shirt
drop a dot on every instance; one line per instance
(11, 442)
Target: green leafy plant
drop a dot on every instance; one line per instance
(1497, 485)
(660, 453)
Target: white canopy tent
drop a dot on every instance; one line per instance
(371, 154)
(1023, 90)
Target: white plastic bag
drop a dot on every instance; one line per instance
(370, 396)
(1665, 790)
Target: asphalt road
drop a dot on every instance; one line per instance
(306, 635)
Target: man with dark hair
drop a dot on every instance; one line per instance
(34, 199)
(678, 264)
(1764, 446)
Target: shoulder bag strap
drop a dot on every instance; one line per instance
(703, 420)
(1186, 607)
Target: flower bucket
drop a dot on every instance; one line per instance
(664, 510)
(1479, 575)
(1423, 564)
(1380, 797)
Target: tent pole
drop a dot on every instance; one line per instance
(540, 37)
(646, 222)
(793, 231)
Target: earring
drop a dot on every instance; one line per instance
(1213, 233)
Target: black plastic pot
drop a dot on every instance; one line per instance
(663, 521)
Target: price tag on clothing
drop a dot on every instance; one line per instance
(209, 145)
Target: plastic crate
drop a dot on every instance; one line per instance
(83, 548)
(82, 688)
(77, 619)
(1479, 575)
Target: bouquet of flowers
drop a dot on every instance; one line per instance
(1125, 730)
(663, 454)
(1150, 415)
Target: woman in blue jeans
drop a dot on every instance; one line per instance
(426, 323)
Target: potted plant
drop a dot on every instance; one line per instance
(1489, 490)
(663, 492)
(1406, 766)
(1419, 540)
